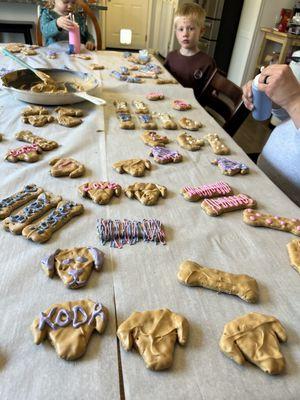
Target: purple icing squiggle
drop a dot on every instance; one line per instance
(97, 256)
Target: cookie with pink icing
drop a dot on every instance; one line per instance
(163, 156)
(154, 96)
(220, 205)
(255, 218)
(181, 105)
(230, 167)
(29, 153)
(100, 192)
(153, 139)
(207, 191)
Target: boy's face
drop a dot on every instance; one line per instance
(187, 32)
(64, 7)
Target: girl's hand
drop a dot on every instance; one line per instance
(247, 95)
(90, 45)
(64, 23)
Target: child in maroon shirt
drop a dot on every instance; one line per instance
(190, 66)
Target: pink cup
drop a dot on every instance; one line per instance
(74, 38)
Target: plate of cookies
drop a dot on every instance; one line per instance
(26, 86)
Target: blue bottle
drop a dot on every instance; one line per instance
(261, 102)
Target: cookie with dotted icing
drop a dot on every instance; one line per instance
(154, 139)
(100, 192)
(140, 107)
(217, 144)
(207, 191)
(219, 205)
(189, 142)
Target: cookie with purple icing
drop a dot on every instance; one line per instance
(230, 167)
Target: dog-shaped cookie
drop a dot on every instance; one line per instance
(147, 193)
(153, 139)
(29, 153)
(100, 192)
(38, 120)
(134, 167)
(73, 266)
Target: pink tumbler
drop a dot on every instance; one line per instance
(74, 38)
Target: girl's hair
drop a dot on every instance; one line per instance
(193, 11)
(51, 3)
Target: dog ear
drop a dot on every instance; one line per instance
(48, 264)
(98, 257)
(38, 335)
(182, 329)
(124, 332)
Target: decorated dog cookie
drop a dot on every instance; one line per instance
(167, 122)
(189, 124)
(43, 230)
(134, 167)
(220, 205)
(9, 204)
(146, 193)
(243, 286)
(28, 52)
(66, 167)
(181, 105)
(255, 337)
(66, 120)
(147, 122)
(153, 334)
(73, 266)
(125, 121)
(118, 75)
(157, 69)
(38, 207)
(69, 326)
(100, 192)
(189, 142)
(164, 156)
(217, 144)
(29, 137)
(69, 111)
(96, 67)
(29, 153)
(118, 233)
(294, 254)
(253, 218)
(196, 193)
(121, 107)
(154, 96)
(163, 81)
(38, 120)
(230, 167)
(153, 139)
(34, 110)
(140, 107)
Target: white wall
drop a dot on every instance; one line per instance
(255, 14)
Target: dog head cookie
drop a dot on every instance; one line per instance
(189, 124)
(230, 167)
(164, 156)
(134, 167)
(30, 153)
(73, 266)
(188, 142)
(69, 326)
(29, 137)
(243, 286)
(253, 218)
(154, 334)
(34, 110)
(100, 192)
(38, 120)
(154, 96)
(146, 193)
(153, 139)
(217, 144)
(220, 205)
(66, 167)
(255, 337)
(195, 193)
(181, 105)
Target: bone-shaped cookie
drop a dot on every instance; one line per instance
(73, 266)
(38, 120)
(42, 231)
(29, 153)
(134, 167)
(293, 248)
(164, 156)
(189, 124)
(154, 334)
(243, 286)
(66, 167)
(189, 142)
(255, 337)
(154, 139)
(29, 137)
(100, 192)
(220, 205)
(147, 121)
(164, 81)
(45, 201)
(217, 144)
(196, 193)
(9, 204)
(181, 105)
(69, 326)
(255, 218)
(230, 167)
(147, 193)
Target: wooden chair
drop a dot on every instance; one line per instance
(223, 100)
(86, 9)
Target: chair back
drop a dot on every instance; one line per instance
(223, 100)
(86, 9)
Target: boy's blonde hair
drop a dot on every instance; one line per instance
(193, 11)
